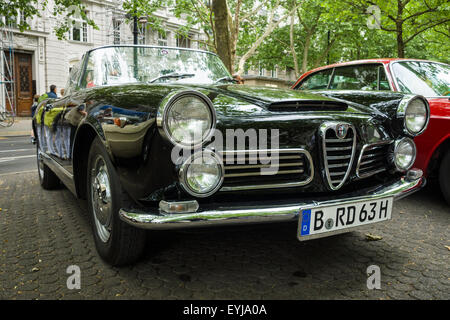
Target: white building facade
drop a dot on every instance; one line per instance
(41, 59)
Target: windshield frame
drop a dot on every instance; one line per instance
(394, 76)
(87, 54)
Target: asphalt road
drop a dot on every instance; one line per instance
(17, 154)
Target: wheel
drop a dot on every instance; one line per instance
(47, 178)
(117, 242)
(444, 176)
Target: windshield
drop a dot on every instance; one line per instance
(118, 65)
(425, 78)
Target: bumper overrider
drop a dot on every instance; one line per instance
(261, 212)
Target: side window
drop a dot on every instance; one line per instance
(362, 77)
(384, 83)
(316, 81)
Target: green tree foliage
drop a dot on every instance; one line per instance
(28, 9)
(338, 31)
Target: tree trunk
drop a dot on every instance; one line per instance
(306, 52)
(291, 39)
(223, 32)
(400, 42)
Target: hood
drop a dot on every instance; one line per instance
(277, 100)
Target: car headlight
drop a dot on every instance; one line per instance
(404, 154)
(188, 119)
(416, 115)
(202, 174)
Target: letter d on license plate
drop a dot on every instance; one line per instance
(320, 221)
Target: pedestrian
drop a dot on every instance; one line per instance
(51, 94)
(33, 110)
(238, 78)
(62, 92)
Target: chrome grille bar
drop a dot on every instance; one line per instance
(372, 159)
(338, 152)
(295, 168)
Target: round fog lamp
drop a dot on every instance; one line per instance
(404, 154)
(202, 174)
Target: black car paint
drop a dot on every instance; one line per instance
(142, 157)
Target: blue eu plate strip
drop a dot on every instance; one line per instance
(306, 218)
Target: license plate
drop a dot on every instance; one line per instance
(316, 222)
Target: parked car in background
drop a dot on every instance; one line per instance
(427, 78)
(162, 138)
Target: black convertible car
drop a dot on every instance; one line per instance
(160, 138)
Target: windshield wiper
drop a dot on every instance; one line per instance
(174, 76)
(229, 79)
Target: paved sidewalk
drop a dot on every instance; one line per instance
(21, 127)
(42, 233)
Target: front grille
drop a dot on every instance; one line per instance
(338, 154)
(373, 159)
(243, 169)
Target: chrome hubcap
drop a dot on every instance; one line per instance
(101, 199)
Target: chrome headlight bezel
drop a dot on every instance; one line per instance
(402, 111)
(163, 114)
(183, 171)
(413, 159)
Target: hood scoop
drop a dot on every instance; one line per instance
(307, 105)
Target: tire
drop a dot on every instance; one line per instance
(117, 243)
(444, 176)
(47, 178)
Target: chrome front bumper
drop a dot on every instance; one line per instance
(224, 215)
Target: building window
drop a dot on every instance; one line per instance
(183, 42)
(116, 33)
(78, 32)
(274, 72)
(162, 39)
(262, 71)
(141, 35)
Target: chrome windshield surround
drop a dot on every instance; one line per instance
(365, 148)
(401, 112)
(168, 101)
(340, 137)
(302, 151)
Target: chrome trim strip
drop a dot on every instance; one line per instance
(322, 132)
(257, 174)
(258, 166)
(361, 157)
(65, 176)
(305, 152)
(338, 140)
(257, 213)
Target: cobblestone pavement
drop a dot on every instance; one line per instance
(43, 232)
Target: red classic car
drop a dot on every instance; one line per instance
(370, 77)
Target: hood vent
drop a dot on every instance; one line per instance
(307, 105)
